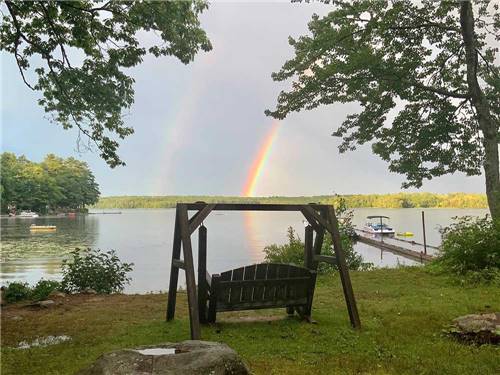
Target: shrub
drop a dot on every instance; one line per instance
(100, 271)
(16, 291)
(471, 249)
(293, 251)
(43, 288)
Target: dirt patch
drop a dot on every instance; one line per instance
(251, 319)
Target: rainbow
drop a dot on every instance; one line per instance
(260, 160)
(179, 125)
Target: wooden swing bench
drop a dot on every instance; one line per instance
(257, 286)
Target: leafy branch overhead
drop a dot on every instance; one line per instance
(80, 51)
(425, 75)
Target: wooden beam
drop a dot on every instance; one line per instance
(310, 219)
(198, 218)
(313, 213)
(308, 248)
(326, 259)
(212, 305)
(194, 318)
(343, 270)
(253, 206)
(318, 244)
(174, 271)
(202, 273)
(178, 263)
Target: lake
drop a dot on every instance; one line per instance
(144, 237)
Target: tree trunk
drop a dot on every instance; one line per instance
(487, 123)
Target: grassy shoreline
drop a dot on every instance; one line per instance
(398, 200)
(403, 312)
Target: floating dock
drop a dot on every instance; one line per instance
(385, 244)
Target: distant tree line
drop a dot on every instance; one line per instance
(399, 200)
(55, 184)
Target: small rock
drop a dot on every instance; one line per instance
(478, 328)
(89, 291)
(95, 299)
(45, 304)
(57, 294)
(17, 317)
(43, 341)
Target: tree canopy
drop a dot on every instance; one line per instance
(53, 184)
(80, 52)
(426, 77)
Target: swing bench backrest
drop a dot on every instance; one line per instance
(260, 286)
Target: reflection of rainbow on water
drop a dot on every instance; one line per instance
(251, 230)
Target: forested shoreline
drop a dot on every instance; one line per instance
(398, 200)
(53, 185)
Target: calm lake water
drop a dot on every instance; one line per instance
(144, 237)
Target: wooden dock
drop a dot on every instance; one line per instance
(399, 250)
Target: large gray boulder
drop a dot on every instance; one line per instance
(187, 357)
(478, 328)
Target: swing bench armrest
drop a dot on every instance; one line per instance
(326, 258)
(208, 279)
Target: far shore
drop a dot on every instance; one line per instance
(396, 200)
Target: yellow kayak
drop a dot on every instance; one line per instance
(405, 234)
(43, 227)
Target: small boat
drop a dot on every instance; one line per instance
(46, 228)
(376, 225)
(404, 234)
(28, 214)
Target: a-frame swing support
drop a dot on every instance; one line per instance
(321, 218)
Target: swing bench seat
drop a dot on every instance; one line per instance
(258, 286)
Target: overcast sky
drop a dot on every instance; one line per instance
(198, 127)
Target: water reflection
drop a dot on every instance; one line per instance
(249, 221)
(28, 255)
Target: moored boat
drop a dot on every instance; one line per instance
(376, 225)
(28, 214)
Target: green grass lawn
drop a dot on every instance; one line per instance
(403, 312)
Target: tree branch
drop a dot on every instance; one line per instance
(423, 26)
(19, 34)
(440, 91)
(488, 66)
(53, 27)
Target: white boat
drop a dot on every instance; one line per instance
(376, 225)
(28, 214)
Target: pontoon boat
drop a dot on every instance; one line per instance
(375, 224)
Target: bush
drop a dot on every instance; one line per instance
(16, 291)
(93, 269)
(471, 249)
(43, 289)
(293, 251)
